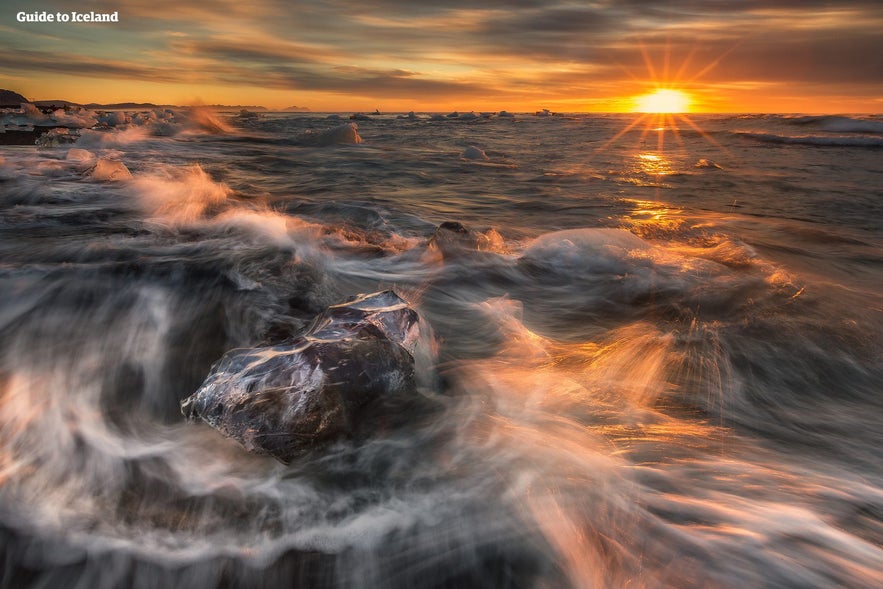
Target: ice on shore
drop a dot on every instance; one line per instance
(31, 116)
(110, 170)
(114, 119)
(76, 118)
(343, 134)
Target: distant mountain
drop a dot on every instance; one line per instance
(125, 106)
(135, 105)
(234, 107)
(297, 109)
(150, 106)
(10, 99)
(45, 103)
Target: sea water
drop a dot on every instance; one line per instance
(658, 366)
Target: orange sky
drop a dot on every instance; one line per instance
(518, 55)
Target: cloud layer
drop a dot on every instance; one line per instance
(731, 54)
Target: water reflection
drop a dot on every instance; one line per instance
(654, 164)
(648, 169)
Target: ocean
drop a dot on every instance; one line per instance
(652, 349)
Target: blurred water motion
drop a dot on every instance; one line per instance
(650, 369)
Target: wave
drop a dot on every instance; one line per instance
(199, 119)
(95, 128)
(345, 134)
(841, 124)
(819, 140)
(179, 195)
(612, 400)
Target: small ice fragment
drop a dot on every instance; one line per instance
(474, 153)
(112, 170)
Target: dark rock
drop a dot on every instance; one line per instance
(354, 364)
(21, 137)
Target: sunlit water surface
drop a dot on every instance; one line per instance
(661, 368)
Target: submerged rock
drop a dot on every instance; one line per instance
(352, 369)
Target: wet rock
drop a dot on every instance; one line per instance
(353, 368)
(21, 136)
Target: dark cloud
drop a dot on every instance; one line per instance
(252, 52)
(706, 7)
(357, 81)
(800, 56)
(20, 61)
(555, 21)
(833, 59)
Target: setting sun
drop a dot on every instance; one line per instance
(663, 101)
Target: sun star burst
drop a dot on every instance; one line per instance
(663, 101)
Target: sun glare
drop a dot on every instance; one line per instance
(662, 112)
(663, 101)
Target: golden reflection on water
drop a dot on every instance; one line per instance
(623, 388)
(654, 164)
(648, 169)
(695, 235)
(652, 219)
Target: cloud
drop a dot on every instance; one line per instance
(80, 65)
(356, 81)
(253, 50)
(442, 49)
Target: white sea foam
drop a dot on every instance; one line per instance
(118, 137)
(177, 195)
(77, 154)
(49, 168)
(689, 403)
(840, 124)
(199, 120)
(275, 228)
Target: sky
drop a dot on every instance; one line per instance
(808, 56)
